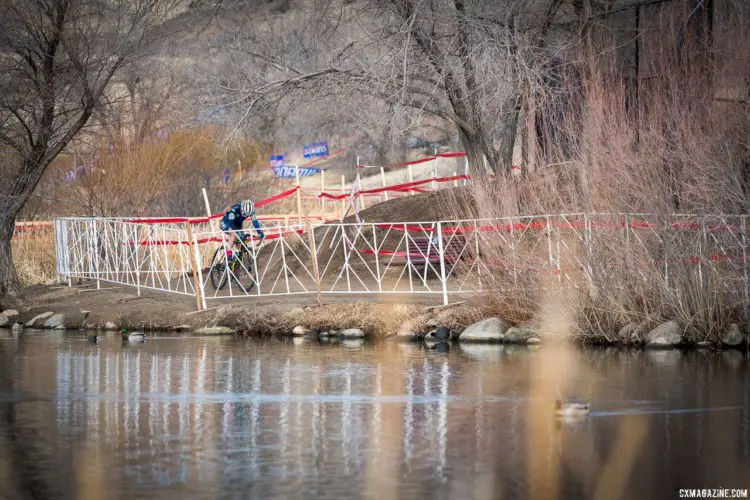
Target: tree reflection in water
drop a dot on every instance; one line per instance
(223, 417)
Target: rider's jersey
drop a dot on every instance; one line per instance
(233, 219)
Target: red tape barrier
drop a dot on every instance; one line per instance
(21, 227)
(422, 160)
(177, 220)
(399, 188)
(272, 236)
(499, 264)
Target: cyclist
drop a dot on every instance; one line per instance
(231, 225)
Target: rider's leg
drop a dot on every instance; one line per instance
(231, 240)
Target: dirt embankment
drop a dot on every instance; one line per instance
(455, 203)
(85, 307)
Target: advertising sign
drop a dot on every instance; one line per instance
(288, 172)
(316, 149)
(276, 161)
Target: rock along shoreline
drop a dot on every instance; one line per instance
(425, 329)
(471, 322)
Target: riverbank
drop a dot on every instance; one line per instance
(477, 319)
(113, 307)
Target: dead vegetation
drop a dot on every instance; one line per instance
(667, 145)
(377, 319)
(34, 256)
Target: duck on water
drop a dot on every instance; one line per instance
(132, 337)
(571, 409)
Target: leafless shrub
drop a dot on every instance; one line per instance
(679, 150)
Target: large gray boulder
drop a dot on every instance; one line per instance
(38, 321)
(300, 331)
(55, 322)
(352, 333)
(215, 330)
(4, 320)
(12, 315)
(521, 334)
(487, 330)
(732, 337)
(632, 332)
(667, 334)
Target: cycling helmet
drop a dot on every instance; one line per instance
(247, 208)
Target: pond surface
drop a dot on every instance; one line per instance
(234, 418)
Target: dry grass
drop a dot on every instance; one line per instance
(34, 257)
(380, 320)
(376, 319)
(159, 176)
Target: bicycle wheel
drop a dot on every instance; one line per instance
(243, 272)
(218, 270)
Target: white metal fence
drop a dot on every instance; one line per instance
(444, 258)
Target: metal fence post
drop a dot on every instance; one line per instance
(97, 267)
(60, 253)
(408, 258)
(377, 259)
(196, 263)
(442, 263)
(136, 257)
(477, 258)
(58, 250)
(314, 255)
(67, 251)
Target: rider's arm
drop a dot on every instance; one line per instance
(257, 227)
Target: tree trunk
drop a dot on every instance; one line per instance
(9, 284)
(504, 155)
(475, 152)
(21, 188)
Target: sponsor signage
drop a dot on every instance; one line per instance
(276, 161)
(288, 172)
(315, 150)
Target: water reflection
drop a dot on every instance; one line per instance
(217, 417)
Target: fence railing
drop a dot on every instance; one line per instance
(444, 258)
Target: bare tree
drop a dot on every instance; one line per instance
(57, 58)
(470, 62)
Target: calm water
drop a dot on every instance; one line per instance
(226, 418)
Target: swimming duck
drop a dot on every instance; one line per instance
(442, 333)
(571, 409)
(132, 337)
(17, 328)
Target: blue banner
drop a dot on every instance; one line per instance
(288, 172)
(316, 149)
(276, 161)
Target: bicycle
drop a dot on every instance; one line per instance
(240, 268)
